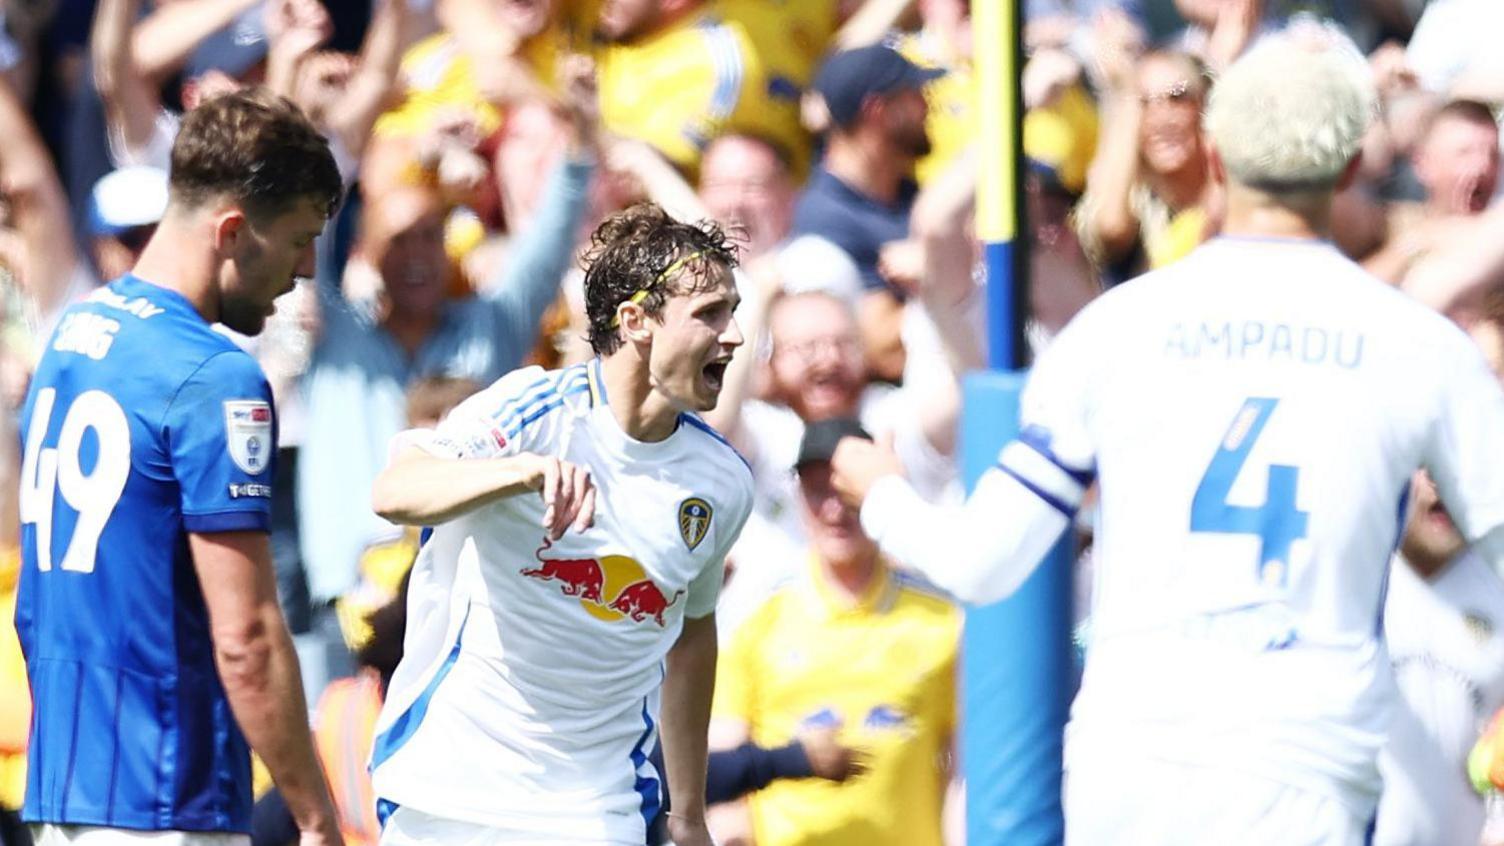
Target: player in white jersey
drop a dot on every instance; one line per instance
(544, 631)
(1442, 623)
(1252, 415)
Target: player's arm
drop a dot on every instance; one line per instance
(979, 552)
(688, 683)
(130, 97)
(1466, 447)
(163, 41)
(45, 262)
(419, 488)
(259, 670)
(376, 77)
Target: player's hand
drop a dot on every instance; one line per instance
(578, 80)
(685, 832)
(858, 464)
(568, 495)
(829, 758)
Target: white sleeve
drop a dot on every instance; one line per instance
(705, 589)
(979, 552)
(983, 550)
(481, 426)
(1055, 409)
(1433, 52)
(1466, 451)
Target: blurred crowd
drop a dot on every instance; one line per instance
(481, 140)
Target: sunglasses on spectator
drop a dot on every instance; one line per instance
(810, 350)
(1180, 92)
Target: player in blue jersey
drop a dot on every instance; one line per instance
(147, 607)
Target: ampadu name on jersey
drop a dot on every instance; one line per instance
(1313, 345)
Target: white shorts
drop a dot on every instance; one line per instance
(1145, 802)
(52, 834)
(409, 827)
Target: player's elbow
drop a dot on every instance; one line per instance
(975, 584)
(243, 652)
(391, 500)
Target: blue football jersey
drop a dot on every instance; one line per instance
(142, 424)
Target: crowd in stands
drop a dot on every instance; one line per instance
(480, 141)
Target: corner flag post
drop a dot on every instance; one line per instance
(1016, 677)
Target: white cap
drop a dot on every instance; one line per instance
(813, 263)
(128, 197)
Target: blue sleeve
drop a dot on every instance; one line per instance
(271, 821)
(221, 435)
(530, 277)
(732, 773)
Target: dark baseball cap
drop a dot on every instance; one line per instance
(846, 79)
(822, 436)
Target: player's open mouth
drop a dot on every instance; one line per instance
(715, 372)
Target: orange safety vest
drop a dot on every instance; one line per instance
(344, 727)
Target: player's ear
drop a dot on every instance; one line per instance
(229, 225)
(633, 321)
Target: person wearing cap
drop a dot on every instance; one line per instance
(860, 195)
(125, 207)
(822, 651)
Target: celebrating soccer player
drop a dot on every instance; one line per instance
(583, 517)
(1252, 415)
(148, 608)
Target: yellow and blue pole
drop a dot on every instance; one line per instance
(1017, 674)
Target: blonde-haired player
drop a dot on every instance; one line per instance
(1252, 416)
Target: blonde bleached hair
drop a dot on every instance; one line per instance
(1290, 114)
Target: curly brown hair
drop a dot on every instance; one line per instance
(255, 148)
(638, 250)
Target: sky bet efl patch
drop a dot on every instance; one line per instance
(248, 433)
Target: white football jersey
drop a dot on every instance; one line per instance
(527, 696)
(1253, 414)
(1447, 650)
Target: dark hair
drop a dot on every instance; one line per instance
(639, 250)
(255, 148)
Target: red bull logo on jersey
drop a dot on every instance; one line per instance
(611, 588)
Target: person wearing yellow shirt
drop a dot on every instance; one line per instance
(1150, 194)
(792, 35)
(15, 701)
(678, 73)
(852, 645)
(1061, 133)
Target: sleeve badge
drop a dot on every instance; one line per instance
(248, 434)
